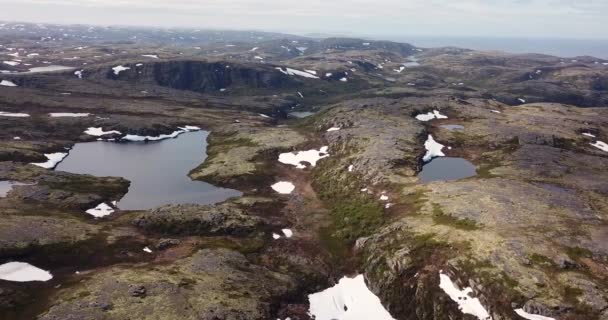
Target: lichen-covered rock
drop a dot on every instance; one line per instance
(212, 284)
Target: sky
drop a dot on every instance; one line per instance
(371, 18)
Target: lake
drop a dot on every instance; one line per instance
(158, 171)
(445, 169)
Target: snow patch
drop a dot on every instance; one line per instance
(466, 303)
(522, 100)
(174, 134)
(53, 160)
(287, 232)
(283, 187)
(530, 316)
(119, 69)
(586, 134)
(11, 63)
(101, 210)
(153, 56)
(333, 129)
(23, 272)
(294, 72)
(7, 83)
(98, 132)
(600, 145)
(298, 158)
(435, 114)
(433, 149)
(68, 114)
(350, 299)
(13, 115)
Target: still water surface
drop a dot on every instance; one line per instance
(158, 171)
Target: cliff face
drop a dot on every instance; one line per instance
(198, 76)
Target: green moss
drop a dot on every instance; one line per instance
(576, 253)
(356, 218)
(108, 188)
(439, 217)
(541, 260)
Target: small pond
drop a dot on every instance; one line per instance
(158, 171)
(7, 186)
(445, 169)
(452, 127)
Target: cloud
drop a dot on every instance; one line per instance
(582, 18)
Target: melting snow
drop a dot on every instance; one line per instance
(68, 114)
(433, 149)
(283, 187)
(294, 72)
(53, 160)
(7, 83)
(101, 210)
(333, 129)
(430, 116)
(350, 299)
(119, 69)
(23, 272)
(99, 132)
(466, 303)
(298, 158)
(600, 145)
(530, 316)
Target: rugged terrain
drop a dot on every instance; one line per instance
(528, 231)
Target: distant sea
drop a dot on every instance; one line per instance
(557, 47)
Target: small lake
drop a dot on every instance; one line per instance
(445, 169)
(158, 171)
(452, 127)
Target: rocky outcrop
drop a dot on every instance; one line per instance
(220, 219)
